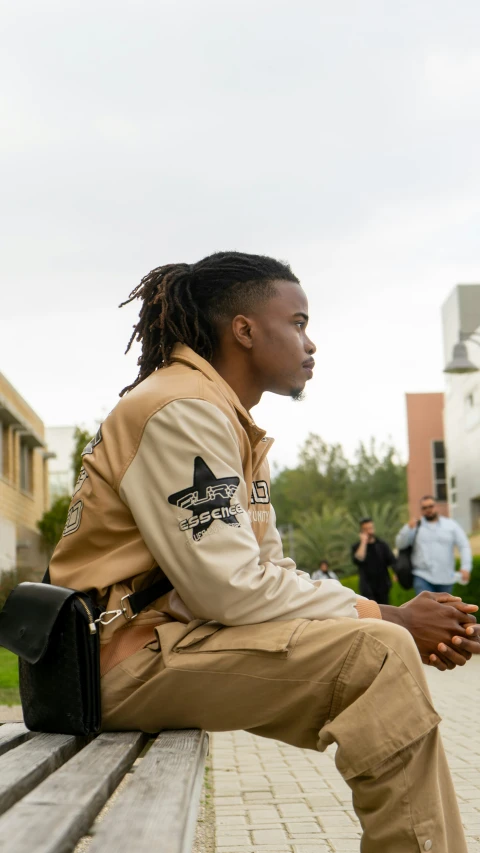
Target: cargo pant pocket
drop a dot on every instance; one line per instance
(277, 638)
(378, 707)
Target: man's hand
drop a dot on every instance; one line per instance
(363, 538)
(442, 626)
(447, 656)
(465, 575)
(413, 522)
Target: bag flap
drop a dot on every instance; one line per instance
(28, 618)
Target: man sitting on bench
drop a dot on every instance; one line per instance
(176, 484)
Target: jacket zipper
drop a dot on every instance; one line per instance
(91, 623)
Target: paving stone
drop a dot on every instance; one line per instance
(287, 788)
(237, 839)
(228, 801)
(318, 847)
(308, 827)
(323, 801)
(269, 836)
(297, 809)
(262, 815)
(231, 820)
(258, 796)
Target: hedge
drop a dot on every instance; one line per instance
(398, 596)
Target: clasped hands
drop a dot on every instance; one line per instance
(442, 625)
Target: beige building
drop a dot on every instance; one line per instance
(23, 481)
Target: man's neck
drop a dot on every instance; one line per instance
(240, 380)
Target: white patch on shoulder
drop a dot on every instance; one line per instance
(74, 518)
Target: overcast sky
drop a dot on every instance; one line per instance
(343, 137)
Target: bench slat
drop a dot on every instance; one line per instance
(27, 765)
(57, 813)
(158, 808)
(13, 734)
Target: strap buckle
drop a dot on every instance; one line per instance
(113, 614)
(124, 610)
(109, 616)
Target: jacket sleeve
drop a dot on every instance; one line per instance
(271, 549)
(391, 558)
(186, 492)
(463, 545)
(405, 537)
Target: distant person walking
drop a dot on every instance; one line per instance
(434, 538)
(324, 572)
(373, 557)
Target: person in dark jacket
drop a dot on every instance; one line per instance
(373, 557)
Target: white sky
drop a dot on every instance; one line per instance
(342, 137)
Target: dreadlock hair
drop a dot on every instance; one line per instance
(186, 303)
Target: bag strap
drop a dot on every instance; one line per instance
(416, 534)
(137, 601)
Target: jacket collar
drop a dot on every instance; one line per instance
(185, 355)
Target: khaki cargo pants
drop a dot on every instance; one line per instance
(358, 683)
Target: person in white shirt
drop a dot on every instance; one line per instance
(324, 572)
(434, 539)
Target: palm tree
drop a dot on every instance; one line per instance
(388, 518)
(322, 536)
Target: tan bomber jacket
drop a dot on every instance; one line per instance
(177, 478)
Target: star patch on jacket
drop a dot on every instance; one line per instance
(208, 499)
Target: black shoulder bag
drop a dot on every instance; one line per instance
(53, 630)
(404, 567)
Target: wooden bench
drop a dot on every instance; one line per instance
(52, 788)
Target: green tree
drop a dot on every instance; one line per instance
(377, 475)
(322, 477)
(81, 438)
(296, 490)
(53, 521)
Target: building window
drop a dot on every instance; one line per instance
(4, 472)
(439, 471)
(26, 466)
(453, 491)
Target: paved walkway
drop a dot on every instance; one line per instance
(272, 798)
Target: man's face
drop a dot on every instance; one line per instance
(429, 509)
(324, 567)
(282, 352)
(369, 529)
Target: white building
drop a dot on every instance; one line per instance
(461, 322)
(61, 444)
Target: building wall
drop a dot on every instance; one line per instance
(461, 313)
(425, 426)
(23, 481)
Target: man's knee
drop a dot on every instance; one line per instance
(395, 638)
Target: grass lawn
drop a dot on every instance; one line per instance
(8, 678)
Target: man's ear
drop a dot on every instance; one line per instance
(242, 330)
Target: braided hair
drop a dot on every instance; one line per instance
(186, 303)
